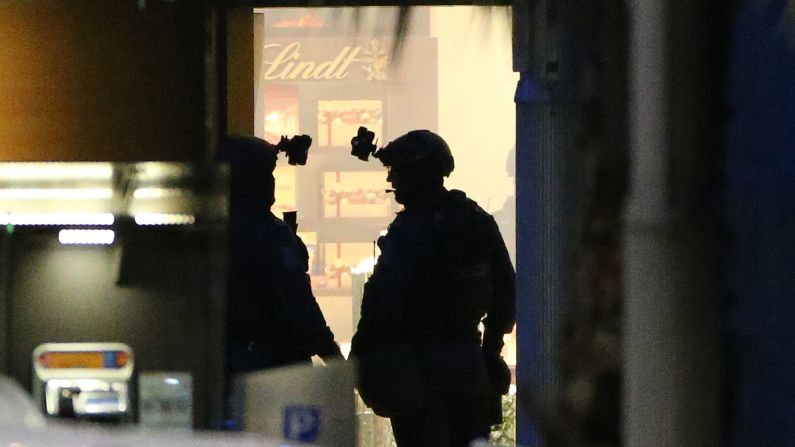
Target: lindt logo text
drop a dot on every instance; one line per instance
(287, 64)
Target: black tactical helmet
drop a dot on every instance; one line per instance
(251, 161)
(419, 149)
(248, 154)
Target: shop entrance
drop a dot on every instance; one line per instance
(325, 72)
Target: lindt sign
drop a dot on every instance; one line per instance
(317, 60)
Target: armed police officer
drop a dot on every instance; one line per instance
(273, 318)
(443, 268)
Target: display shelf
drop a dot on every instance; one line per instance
(341, 293)
(355, 194)
(339, 120)
(345, 229)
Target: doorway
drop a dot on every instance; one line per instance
(325, 72)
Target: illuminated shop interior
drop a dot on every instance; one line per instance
(327, 71)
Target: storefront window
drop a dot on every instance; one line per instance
(327, 71)
(285, 193)
(281, 114)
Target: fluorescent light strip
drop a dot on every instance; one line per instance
(55, 171)
(156, 193)
(57, 219)
(86, 237)
(155, 170)
(53, 193)
(164, 219)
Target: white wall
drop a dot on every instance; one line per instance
(476, 110)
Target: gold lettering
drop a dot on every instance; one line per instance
(287, 66)
(342, 72)
(302, 69)
(325, 70)
(282, 60)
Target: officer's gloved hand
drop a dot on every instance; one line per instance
(499, 372)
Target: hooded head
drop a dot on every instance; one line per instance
(251, 162)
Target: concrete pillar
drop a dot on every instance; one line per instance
(547, 117)
(671, 381)
(649, 352)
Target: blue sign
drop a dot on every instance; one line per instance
(301, 423)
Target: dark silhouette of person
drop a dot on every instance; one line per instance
(443, 267)
(272, 317)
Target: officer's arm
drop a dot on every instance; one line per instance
(501, 316)
(298, 308)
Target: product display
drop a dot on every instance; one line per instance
(356, 194)
(281, 114)
(339, 120)
(340, 258)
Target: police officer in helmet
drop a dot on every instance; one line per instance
(443, 270)
(273, 318)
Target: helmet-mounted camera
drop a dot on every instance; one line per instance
(362, 145)
(296, 148)
(419, 149)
